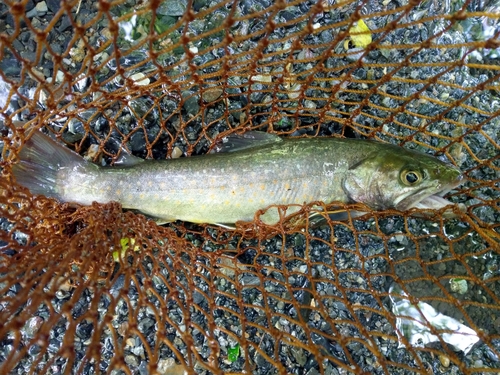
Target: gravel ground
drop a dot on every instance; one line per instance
(348, 284)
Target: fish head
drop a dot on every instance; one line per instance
(394, 177)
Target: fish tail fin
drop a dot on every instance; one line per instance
(41, 159)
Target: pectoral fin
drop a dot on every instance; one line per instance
(335, 215)
(226, 226)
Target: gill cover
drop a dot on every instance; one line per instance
(366, 182)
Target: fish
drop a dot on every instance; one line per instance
(247, 173)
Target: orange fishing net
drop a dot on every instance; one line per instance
(90, 290)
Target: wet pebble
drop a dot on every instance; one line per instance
(445, 360)
(176, 153)
(300, 355)
(131, 360)
(32, 326)
(191, 103)
(172, 8)
(211, 95)
(38, 11)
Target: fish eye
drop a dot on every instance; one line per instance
(411, 178)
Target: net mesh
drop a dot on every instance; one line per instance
(96, 289)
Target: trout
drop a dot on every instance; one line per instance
(249, 173)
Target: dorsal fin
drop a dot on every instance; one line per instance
(240, 142)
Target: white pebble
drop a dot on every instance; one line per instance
(41, 7)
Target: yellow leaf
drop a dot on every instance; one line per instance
(125, 243)
(360, 34)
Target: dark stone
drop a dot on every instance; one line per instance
(84, 330)
(198, 4)
(53, 5)
(191, 103)
(56, 48)
(31, 45)
(25, 36)
(64, 25)
(30, 56)
(9, 20)
(138, 142)
(30, 4)
(18, 46)
(287, 15)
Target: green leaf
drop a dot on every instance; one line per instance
(233, 353)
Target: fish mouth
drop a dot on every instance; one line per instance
(434, 201)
